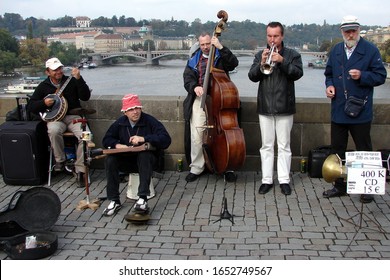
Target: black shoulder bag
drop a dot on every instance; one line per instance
(353, 105)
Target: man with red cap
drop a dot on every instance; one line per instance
(133, 128)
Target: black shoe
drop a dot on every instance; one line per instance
(285, 188)
(230, 176)
(264, 188)
(80, 179)
(366, 198)
(335, 192)
(191, 177)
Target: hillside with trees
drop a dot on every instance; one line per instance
(239, 35)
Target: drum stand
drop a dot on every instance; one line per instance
(86, 137)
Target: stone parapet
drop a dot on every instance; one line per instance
(311, 125)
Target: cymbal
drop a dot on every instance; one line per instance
(137, 218)
(82, 111)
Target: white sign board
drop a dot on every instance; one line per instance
(366, 181)
(365, 174)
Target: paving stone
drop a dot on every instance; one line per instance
(185, 222)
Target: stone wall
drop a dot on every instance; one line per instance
(311, 125)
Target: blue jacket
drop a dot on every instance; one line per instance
(149, 127)
(367, 59)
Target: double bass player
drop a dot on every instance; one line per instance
(194, 115)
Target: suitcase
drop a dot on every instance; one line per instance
(316, 159)
(24, 152)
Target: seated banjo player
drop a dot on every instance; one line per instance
(54, 99)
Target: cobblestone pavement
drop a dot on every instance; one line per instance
(185, 221)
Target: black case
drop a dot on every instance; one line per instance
(24, 152)
(316, 159)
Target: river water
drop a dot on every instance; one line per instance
(167, 79)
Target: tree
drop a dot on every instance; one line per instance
(385, 51)
(30, 34)
(114, 21)
(34, 52)
(8, 43)
(8, 61)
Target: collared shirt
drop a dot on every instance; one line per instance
(202, 65)
(349, 51)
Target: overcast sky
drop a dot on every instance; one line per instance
(288, 12)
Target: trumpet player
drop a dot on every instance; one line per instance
(276, 68)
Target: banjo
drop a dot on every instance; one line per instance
(60, 106)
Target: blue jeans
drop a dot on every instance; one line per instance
(141, 162)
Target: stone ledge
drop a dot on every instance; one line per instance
(311, 125)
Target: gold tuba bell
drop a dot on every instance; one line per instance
(333, 168)
(269, 65)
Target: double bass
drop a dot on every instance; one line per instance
(223, 140)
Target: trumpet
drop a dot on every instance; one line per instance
(268, 66)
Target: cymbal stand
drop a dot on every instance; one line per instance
(224, 214)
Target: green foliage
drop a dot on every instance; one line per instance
(7, 42)
(385, 51)
(8, 61)
(33, 52)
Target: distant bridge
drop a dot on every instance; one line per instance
(153, 57)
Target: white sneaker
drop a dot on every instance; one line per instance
(112, 208)
(141, 205)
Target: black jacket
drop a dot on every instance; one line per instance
(148, 127)
(276, 92)
(75, 91)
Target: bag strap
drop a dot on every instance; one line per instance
(343, 71)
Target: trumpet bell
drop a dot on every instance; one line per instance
(333, 168)
(266, 69)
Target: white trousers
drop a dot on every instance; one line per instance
(279, 127)
(56, 130)
(198, 119)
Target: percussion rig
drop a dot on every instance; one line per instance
(86, 137)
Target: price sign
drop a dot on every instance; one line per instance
(366, 181)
